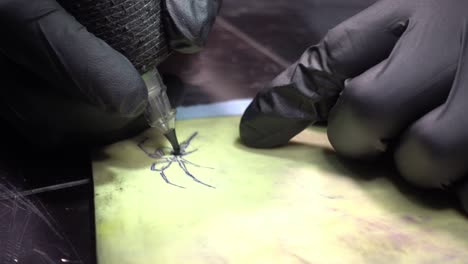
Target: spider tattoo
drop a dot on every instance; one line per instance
(165, 158)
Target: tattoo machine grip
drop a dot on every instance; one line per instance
(132, 27)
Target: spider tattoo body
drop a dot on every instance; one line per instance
(165, 158)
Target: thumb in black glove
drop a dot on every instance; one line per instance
(395, 74)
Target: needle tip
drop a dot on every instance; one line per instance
(172, 137)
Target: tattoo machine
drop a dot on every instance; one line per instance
(135, 29)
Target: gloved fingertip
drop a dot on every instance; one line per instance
(251, 137)
(269, 131)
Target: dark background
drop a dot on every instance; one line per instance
(251, 42)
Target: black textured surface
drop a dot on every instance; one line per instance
(32, 229)
(51, 227)
(133, 27)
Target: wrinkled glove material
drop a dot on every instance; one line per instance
(393, 77)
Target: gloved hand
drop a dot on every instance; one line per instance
(394, 76)
(61, 84)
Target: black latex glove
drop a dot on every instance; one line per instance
(189, 22)
(394, 75)
(61, 84)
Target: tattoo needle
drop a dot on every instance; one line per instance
(159, 112)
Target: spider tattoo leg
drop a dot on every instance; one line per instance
(153, 166)
(165, 158)
(184, 168)
(188, 152)
(158, 153)
(187, 142)
(163, 175)
(194, 164)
